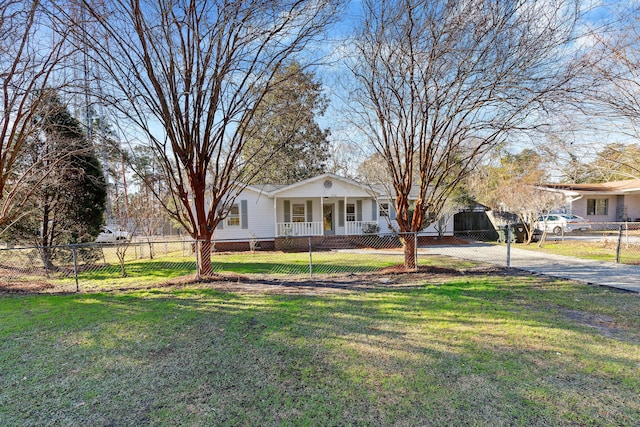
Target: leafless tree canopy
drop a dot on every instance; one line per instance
(190, 74)
(441, 83)
(615, 59)
(30, 55)
(610, 105)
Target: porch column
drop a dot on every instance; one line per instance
(321, 216)
(346, 229)
(275, 217)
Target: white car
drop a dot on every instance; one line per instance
(112, 235)
(560, 224)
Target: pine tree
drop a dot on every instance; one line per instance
(286, 143)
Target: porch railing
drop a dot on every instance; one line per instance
(299, 229)
(360, 227)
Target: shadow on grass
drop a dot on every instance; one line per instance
(473, 350)
(154, 269)
(290, 268)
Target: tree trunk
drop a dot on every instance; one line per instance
(121, 252)
(205, 268)
(123, 269)
(47, 262)
(409, 246)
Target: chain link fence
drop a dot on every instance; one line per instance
(140, 264)
(69, 268)
(615, 242)
(607, 241)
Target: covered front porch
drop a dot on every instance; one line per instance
(325, 216)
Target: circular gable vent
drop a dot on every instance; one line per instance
(328, 184)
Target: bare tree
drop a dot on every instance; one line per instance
(614, 60)
(31, 52)
(190, 75)
(612, 101)
(512, 187)
(441, 83)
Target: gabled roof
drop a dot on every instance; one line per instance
(376, 190)
(265, 188)
(281, 188)
(612, 188)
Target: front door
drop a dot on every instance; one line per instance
(327, 215)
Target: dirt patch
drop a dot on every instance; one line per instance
(605, 325)
(25, 287)
(390, 277)
(399, 269)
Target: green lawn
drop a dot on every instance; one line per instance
(143, 272)
(298, 262)
(599, 250)
(451, 350)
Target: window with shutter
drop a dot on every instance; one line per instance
(297, 212)
(351, 212)
(233, 219)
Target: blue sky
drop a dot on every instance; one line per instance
(585, 138)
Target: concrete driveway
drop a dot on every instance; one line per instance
(620, 276)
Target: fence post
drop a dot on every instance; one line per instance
(415, 250)
(619, 244)
(626, 234)
(75, 266)
(310, 259)
(196, 243)
(508, 246)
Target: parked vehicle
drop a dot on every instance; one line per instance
(112, 235)
(559, 224)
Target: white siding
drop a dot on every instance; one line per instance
(430, 230)
(387, 225)
(261, 223)
(262, 216)
(316, 213)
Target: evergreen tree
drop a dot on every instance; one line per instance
(285, 140)
(69, 208)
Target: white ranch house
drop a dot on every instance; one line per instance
(325, 205)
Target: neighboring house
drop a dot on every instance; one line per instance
(325, 205)
(606, 202)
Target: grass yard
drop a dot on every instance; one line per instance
(599, 250)
(580, 249)
(142, 273)
(276, 262)
(471, 349)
